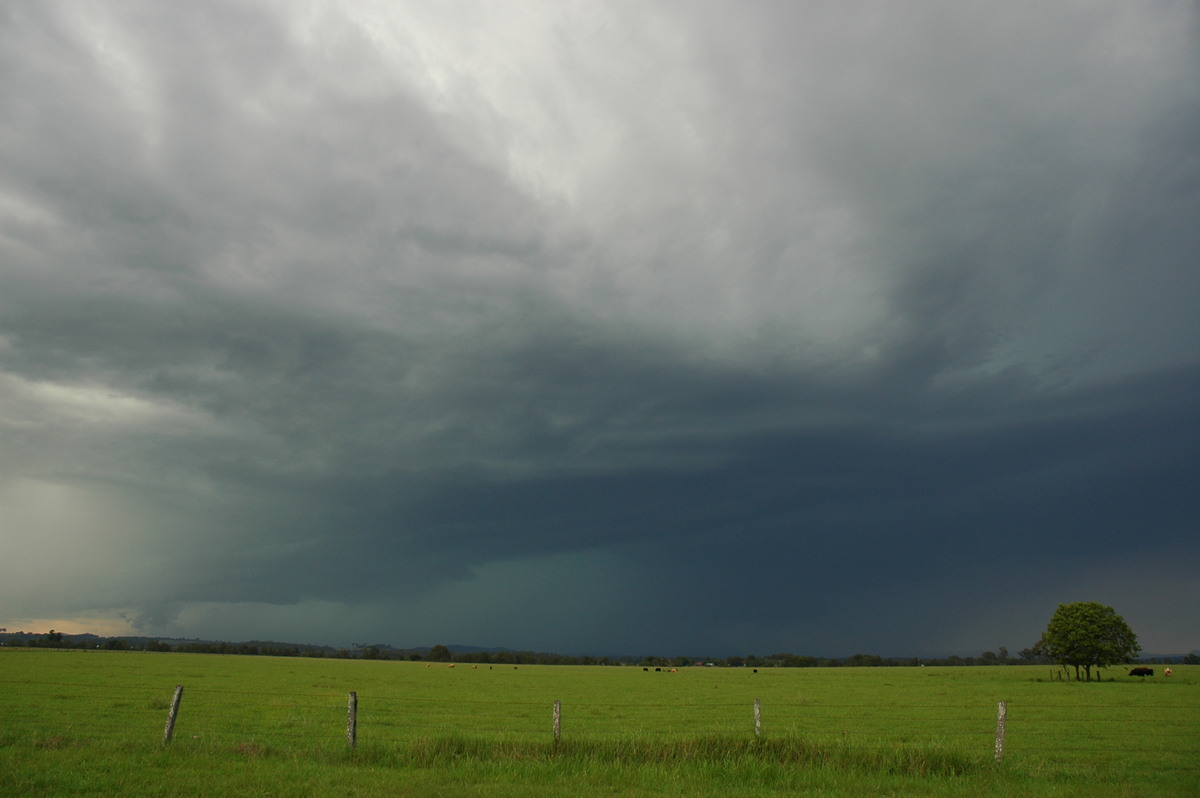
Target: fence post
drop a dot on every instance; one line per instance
(557, 721)
(757, 718)
(172, 713)
(352, 720)
(1001, 719)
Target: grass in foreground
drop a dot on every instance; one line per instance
(460, 765)
(80, 723)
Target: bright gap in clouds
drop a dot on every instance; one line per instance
(698, 247)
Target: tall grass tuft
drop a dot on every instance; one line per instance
(904, 760)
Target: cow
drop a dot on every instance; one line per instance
(1166, 671)
(1142, 671)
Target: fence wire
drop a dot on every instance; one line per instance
(1159, 736)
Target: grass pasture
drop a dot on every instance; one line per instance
(91, 722)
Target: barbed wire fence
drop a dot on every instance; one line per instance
(1165, 737)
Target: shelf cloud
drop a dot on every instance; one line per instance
(612, 328)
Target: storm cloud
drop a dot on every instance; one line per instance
(600, 327)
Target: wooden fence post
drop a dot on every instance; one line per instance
(557, 721)
(757, 718)
(352, 720)
(172, 713)
(1001, 719)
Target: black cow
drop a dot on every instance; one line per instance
(1140, 671)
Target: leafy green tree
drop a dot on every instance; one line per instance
(1033, 655)
(1087, 634)
(439, 653)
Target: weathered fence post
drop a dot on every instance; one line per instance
(1001, 718)
(557, 721)
(172, 713)
(352, 720)
(757, 718)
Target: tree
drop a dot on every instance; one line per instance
(1033, 655)
(1087, 634)
(440, 653)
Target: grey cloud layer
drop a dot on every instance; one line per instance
(366, 308)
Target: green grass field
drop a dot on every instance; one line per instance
(91, 723)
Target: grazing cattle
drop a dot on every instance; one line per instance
(1166, 671)
(1140, 671)
(647, 670)
(451, 665)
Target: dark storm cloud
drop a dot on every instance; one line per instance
(819, 327)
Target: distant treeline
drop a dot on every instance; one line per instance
(441, 653)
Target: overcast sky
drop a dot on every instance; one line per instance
(699, 328)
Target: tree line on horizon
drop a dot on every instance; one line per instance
(1034, 655)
